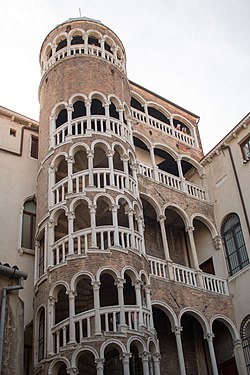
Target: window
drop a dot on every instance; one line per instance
(234, 243)
(41, 334)
(41, 257)
(34, 147)
(245, 336)
(29, 224)
(245, 149)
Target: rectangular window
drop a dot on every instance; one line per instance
(245, 149)
(34, 147)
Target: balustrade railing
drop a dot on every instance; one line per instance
(60, 250)
(79, 49)
(173, 182)
(59, 190)
(60, 334)
(188, 276)
(84, 325)
(82, 241)
(163, 127)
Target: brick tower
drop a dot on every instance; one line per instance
(126, 248)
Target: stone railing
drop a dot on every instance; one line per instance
(173, 182)
(187, 276)
(92, 50)
(89, 124)
(163, 127)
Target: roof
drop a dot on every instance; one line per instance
(80, 19)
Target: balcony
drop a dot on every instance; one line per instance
(168, 271)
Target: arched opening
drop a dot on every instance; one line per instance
(82, 216)
(48, 53)
(41, 334)
(86, 363)
(81, 161)
(28, 348)
(195, 348)
(129, 291)
(113, 111)
(29, 224)
(104, 218)
(167, 342)
(152, 231)
(62, 44)
(112, 364)
(77, 39)
(122, 213)
(165, 162)
(61, 305)
(224, 349)
(204, 247)
(245, 336)
(190, 173)
(234, 244)
(117, 161)
(79, 109)
(61, 227)
(93, 41)
(62, 170)
(97, 108)
(178, 242)
(158, 115)
(179, 125)
(142, 153)
(84, 299)
(61, 118)
(100, 158)
(107, 47)
(135, 362)
(137, 105)
(108, 291)
(61, 369)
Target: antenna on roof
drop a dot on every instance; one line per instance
(80, 12)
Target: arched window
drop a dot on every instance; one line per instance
(245, 335)
(29, 224)
(41, 334)
(236, 253)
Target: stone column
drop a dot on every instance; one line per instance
(149, 306)
(190, 231)
(146, 113)
(90, 156)
(86, 39)
(92, 211)
(125, 159)
(155, 168)
(51, 236)
(115, 224)
(52, 181)
(125, 362)
(70, 162)
(72, 335)
(96, 290)
(144, 358)
(106, 107)
(72, 371)
(120, 283)
(70, 109)
(88, 115)
(239, 357)
(130, 213)
(177, 331)
(120, 111)
(110, 155)
(161, 220)
(129, 124)
(209, 338)
(102, 42)
(156, 360)
(50, 324)
(137, 286)
(99, 366)
(141, 231)
(71, 217)
(183, 180)
(150, 364)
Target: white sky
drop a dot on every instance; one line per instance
(192, 52)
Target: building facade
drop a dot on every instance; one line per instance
(130, 275)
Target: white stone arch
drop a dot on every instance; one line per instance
(56, 362)
(57, 158)
(110, 342)
(138, 205)
(56, 287)
(95, 33)
(108, 39)
(207, 222)
(131, 154)
(98, 95)
(136, 339)
(56, 213)
(228, 323)
(77, 96)
(167, 149)
(159, 107)
(76, 201)
(153, 202)
(194, 163)
(78, 146)
(115, 100)
(78, 276)
(36, 329)
(143, 273)
(198, 315)
(77, 353)
(142, 138)
(155, 343)
(184, 120)
(108, 197)
(179, 211)
(130, 270)
(168, 311)
(58, 107)
(110, 270)
(120, 54)
(138, 97)
(103, 144)
(127, 111)
(59, 38)
(76, 30)
(46, 50)
(125, 198)
(118, 144)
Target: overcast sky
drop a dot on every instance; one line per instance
(192, 52)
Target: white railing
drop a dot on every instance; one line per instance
(188, 276)
(60, 134)
(173, 182)
(84, 325)
(215, 284)
(60, 333)
(82, 241)
(59, 191)
(60, 250)
(184, 275)
(80, 181)
(78, 126)
(105, 237)
(163, 127)
(79, 49)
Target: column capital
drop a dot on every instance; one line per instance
(51, 223)
(110, 153)
(130, 211)
(209, 336)
(177, 330)
(217, 242)
(90, 153)
(92, 208)
(125, 157)
(70, 159)
(144, 356)
(88, 102)
(53, 168)
(120, 282)
(189, 229)
(156, 357)
(237, 343)
(161, 218)
(52, 300)
(124, 357)
(115, 207)
(72, 371)
(71, 293)
(137, 284)
(70, 108)
(96, 285)
(70, 215)
(99, 362)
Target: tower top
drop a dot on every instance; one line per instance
(80, 19)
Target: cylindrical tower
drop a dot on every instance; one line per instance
(92, 295)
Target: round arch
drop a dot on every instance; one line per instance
(111, 271)
(168, 311)
(112, 342)
(206, 222)
(56, 362)
(228, 323)
(77, 276)
(77, 353)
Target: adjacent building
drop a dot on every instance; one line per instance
(134, 267)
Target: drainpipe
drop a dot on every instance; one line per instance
(238, 185)
(12, 273)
